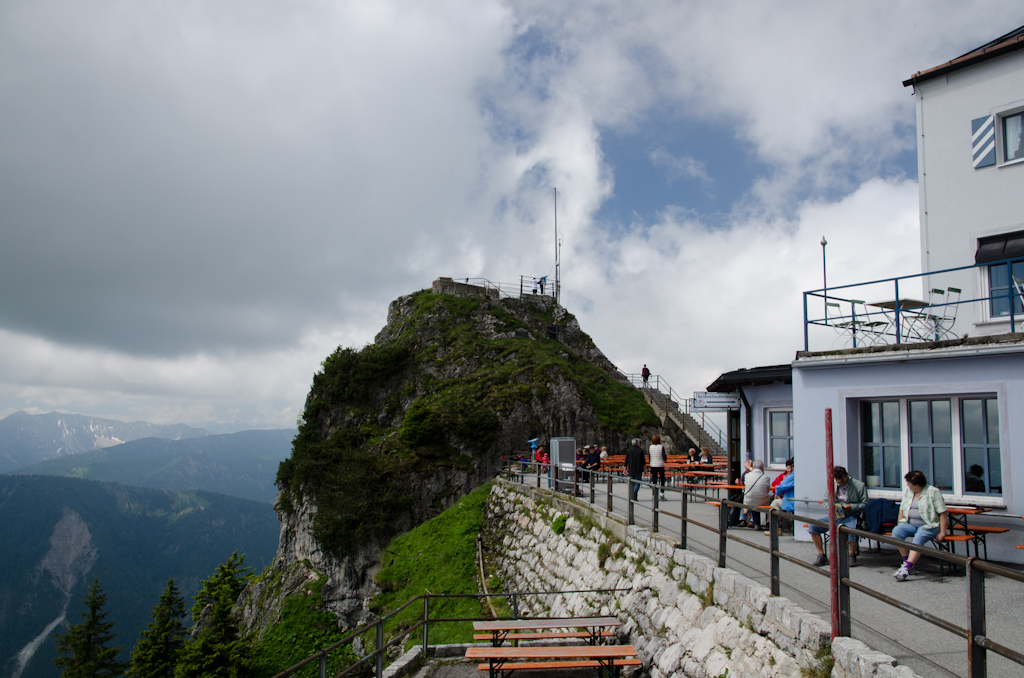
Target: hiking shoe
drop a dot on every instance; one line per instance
(821, 560)
(902, 573)
(853, 561)
(663, 496)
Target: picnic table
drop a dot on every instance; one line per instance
(503, 660)
(535, 629)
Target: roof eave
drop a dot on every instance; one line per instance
(967, 60)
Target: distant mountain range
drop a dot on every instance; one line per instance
(30, 438)
(57, 534)
(237, 464)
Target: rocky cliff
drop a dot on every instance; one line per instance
(394, 433)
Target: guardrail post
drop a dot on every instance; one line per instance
(773, 528)
(976, 654)
(843, 556)
(426, 623)
(515, 605)
(629, 521)
(592, 486)
(538, 473)
(575, 481)
(682, 518)
(654, 516)
(609, 493)
(323, 665)
(379, 659)
(723, 531)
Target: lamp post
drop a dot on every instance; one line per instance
(824, 275)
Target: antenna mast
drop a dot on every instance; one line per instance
(558, 263)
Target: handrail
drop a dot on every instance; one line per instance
(976, 568)
(512, 290)
(682, 404)
(899, 313)
(381, 646)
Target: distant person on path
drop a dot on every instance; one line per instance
(646, 374)
(657, 457)
(923, 516)
(535, 286)
(755, 492)
(635, 462)
(851, 495)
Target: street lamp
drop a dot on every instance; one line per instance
(824, 275)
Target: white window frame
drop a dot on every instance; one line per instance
(1007, 111)
(768, 411)
(957, 496)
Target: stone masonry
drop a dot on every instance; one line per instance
(686, 616)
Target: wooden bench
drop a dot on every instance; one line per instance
(517, 629)
(546, 635)
(977, 534)
(578, 664)
(501, 660)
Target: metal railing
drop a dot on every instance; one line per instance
(524, 288)
(602, 483)
(381, 646)
(682, 404)
(894, 321)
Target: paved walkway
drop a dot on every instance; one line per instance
(926, 648)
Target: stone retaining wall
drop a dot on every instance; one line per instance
(685, 615)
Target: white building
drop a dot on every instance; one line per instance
(900, 400)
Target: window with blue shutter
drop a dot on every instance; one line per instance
(983, 136)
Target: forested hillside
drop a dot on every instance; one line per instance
(60, 533)
(237, 464)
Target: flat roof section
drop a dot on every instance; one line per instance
(753, 376)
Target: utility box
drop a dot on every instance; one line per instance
(563, 462)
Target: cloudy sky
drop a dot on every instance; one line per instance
(199, 200)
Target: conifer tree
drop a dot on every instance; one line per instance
(86, 643)
(156, 654)
(217, 650)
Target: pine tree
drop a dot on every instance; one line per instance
(217, 650)
(87, 643)
(156, 654)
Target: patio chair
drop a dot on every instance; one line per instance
(845, 325)
(944, 321)
(871, 327)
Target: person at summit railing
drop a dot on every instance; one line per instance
(851, 495)
(635, 462)
(923, 516)
(535, 286)
(645, 374)
(656, 454)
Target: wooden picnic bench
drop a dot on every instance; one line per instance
(535, 629)
(504, 660)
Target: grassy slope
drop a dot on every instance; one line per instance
(356, 476)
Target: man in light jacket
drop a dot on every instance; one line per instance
(755, 493)
(851, 495)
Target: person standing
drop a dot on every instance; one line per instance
(923, 516)
(543, 279)
(656, 454)
(645, 374)
(535, 286)
(851, 495)
(635, 462)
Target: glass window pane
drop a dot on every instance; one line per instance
(995, 472)
(972, 422)
(891, 419)
(870, 422)
(780, 424)
(780, 450)
(992, 410)
(997, 277)
(1013, 143)
(942, 423)
(873, 466)
(942, 459)
(974, 469)
(921, 460)
(919, 422)
(893, 474)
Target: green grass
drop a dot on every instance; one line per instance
(305, 627)
(439, 556)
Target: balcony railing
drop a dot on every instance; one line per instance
(894, 319)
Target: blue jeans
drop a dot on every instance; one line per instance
(922, 535)
(849, 521)
(636, 487)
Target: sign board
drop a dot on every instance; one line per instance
(563, 453)
(715, 402)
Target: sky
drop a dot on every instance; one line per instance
(200, 201)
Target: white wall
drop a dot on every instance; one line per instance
(761, 399)
(821, 383)
(960, 204)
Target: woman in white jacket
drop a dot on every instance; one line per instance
(756, 490)
(656, 460)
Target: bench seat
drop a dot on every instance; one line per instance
(575, 664)
(543, 635)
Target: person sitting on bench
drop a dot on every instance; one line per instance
(851, 495)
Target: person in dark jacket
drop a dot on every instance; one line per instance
(851, 495)
(635, 462)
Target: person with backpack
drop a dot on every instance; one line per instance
(645, 374)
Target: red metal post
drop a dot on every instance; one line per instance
(833, 533)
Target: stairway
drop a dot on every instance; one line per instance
(673, 417)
